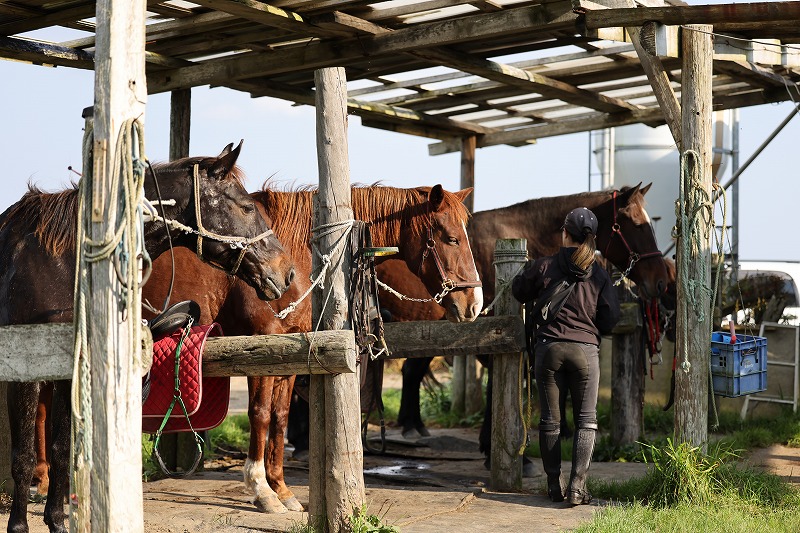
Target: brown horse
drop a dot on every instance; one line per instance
(624, 236)
(37, 261)
(416, 220)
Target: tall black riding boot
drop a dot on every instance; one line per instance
(583, 447)
(550, 447)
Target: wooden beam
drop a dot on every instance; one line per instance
(486, 335)
(587, 122)
(51, 346)
(321, 54)
(758, 14)
(180, 122)
(281, 355)
(524, 79)
(267, 15)
(751, 74)
(51, 18)
(21, 49)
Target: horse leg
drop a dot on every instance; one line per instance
(41, 472)
(410, 417)
(54, 514)
(297, 431)
(281, 398)
(255, 474)
(21, 401)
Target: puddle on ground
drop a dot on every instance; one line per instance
(399, 468)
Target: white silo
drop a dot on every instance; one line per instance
(631, 154)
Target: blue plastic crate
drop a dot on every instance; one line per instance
(740, 368)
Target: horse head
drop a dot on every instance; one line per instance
(219, 220)
(442, 257)
(625, 237)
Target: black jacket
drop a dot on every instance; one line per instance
(590, 311)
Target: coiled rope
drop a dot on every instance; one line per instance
(123, 243)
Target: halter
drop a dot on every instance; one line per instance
(448, 284)
(634, 257)
(242, 243)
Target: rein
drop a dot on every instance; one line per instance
(242, 243)
(448, 284)
(634, 257)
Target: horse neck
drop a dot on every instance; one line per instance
(538, 221)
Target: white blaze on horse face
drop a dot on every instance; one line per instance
(478, 290)
(255, 479)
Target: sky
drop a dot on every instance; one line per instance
(42, 126)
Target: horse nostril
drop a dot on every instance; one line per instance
(290, 277)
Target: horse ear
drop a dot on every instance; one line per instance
(646, 188)
(464, 193)
(223, 165)
(436, 197)
(225, 151)
(625, 196)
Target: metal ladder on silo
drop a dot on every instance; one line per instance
(759, 397)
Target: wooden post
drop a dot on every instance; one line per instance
(627, 372)
(508, 433)
(178, 449)
(691, 385)
(467, 393)
(120, 94)
(336, 461)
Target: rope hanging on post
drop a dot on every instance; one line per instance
(123, 244)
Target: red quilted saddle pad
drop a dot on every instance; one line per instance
(206, 399)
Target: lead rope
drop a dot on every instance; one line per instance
(123, 243)
(693, 207)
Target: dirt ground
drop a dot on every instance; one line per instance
(436, 484)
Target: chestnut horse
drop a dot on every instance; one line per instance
(625, 238)
(418, 221)
(37, 261)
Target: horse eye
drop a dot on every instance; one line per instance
(248, 208)
(452, 240)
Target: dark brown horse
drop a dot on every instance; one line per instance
(412, 219)
(37, 262)
(624, 236)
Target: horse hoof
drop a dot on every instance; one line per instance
(293, 504)
(422, 430)
(270, 505)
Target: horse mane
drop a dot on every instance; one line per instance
(52, 216)
(388, 208)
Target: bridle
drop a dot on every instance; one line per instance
(242, 243)
(634, 257)
(448, 284)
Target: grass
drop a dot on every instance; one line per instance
(688, 490)
(360, 522)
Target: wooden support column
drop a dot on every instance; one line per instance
(508, 433)
(178, 449)
(691, 384)
(336, 462)
(116, 397)
(627, 372)
(467, 393)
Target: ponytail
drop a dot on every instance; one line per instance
(584, 255)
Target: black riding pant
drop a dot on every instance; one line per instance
(562, 367)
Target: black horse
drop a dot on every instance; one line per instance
(37, 272)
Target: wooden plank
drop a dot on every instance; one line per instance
(116, 397)
(41, 53)
(508, 431)
(756, 13)
(694, 334)
(486, 335)
(575, 124)
(51, 18)
(51, 346)
(180, 119)
(525, 79)
(322, 54)
(267, 15)
(342, 462)
(323, 352)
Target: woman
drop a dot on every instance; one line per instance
(567, 345)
